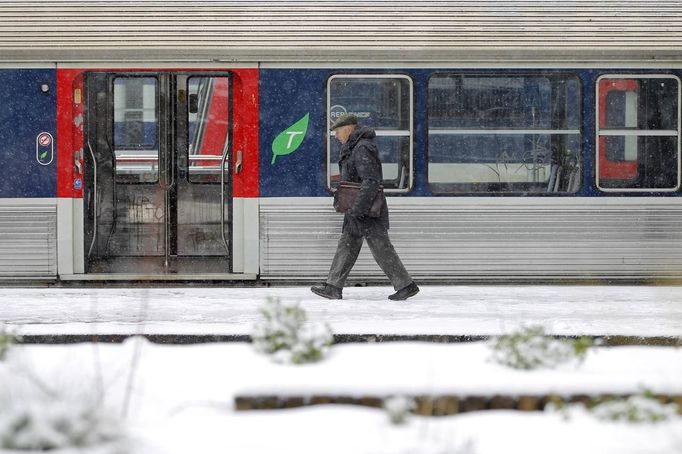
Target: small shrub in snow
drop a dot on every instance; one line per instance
(642, 408)
(285, 333)
(399, 408)
(55, 425)
(635, 409)
(35, 418)
(531, 348)
(7, 339)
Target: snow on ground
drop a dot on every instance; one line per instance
(420, 368)
(181, 397)
(344, 430)
(456, 310)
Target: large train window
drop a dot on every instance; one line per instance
(638, 129)
(504, 133)
(136, 126)
(384, 103)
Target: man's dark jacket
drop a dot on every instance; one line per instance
(359, 163)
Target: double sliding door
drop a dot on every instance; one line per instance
(157, 184)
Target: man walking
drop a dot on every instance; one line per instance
(359, 163)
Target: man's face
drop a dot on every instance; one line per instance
(343, 133)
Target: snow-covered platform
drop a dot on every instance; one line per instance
(436, 310)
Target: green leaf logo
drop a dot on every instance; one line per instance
(290, 139)
(43, 155)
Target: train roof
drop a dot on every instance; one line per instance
(332, 32)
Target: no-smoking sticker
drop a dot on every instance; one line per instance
(44, 139)
(44, 148)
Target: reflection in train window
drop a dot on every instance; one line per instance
(136, 127)
(208, 128)
(384, 103)
(496, 134)
(638, 130)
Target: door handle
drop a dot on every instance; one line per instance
(77, 161)
(238, 164)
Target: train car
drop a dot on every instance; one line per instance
(190, 140)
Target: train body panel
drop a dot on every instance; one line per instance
(287, 96)
(28, 245)
(27, 157)
(552, 152)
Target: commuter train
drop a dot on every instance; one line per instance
(190, 140)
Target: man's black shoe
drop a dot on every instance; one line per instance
(405, 292)
(327, 291)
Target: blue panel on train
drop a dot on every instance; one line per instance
(287, 97)
(28, 167)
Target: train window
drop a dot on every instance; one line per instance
(638, 129)
(500, 134)
(208, 117)
(382, 102)
(136, 127)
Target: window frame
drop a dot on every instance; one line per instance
(410, 132)
(452, 189)
(634, 132)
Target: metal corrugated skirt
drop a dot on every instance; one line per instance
(487, 238)
(28, 237)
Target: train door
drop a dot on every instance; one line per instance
(157, 188)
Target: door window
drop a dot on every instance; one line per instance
(208, 128)
(136, 129)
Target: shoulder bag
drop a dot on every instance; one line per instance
(347, 192)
